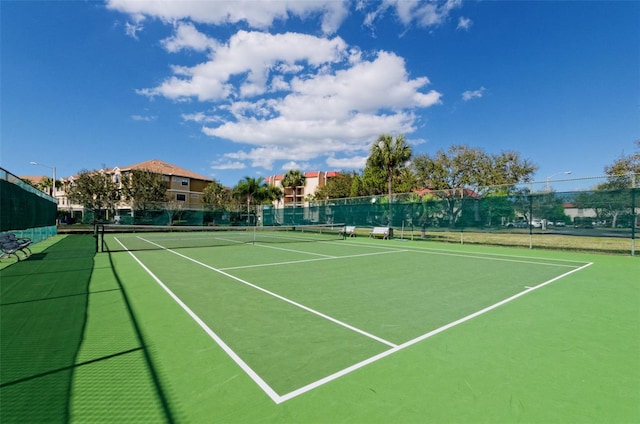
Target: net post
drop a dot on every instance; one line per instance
(95, 236)
(102, 239)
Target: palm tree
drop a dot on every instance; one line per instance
(46, 185)
(251, 189)
(390, 155)
(274, 193)
(293, 178)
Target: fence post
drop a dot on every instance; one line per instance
(633, 220)
(529, 220)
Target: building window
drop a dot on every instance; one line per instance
(181, 197)
(185, 182)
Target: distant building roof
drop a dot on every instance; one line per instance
(36, 179)
(165, 168)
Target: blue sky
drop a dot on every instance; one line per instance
(234, 88)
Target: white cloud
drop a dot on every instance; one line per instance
(292, 97)
(252, 56)
(227, 165)
(353, 162)
(464, 23)
(409, 12)
(339, 104)
(475, 94)
(132, 28)
(188, 37)
(256, 14)
(295, 165)
(194, 117)
(143, 118)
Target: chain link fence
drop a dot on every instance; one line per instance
(551, 214)
(25, 210)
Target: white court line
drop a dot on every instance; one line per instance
(258, 244)
(309, 260)
(482, 254)
(277, 296)
(489, 256)
(418, 339)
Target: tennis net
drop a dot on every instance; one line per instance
(116, 237)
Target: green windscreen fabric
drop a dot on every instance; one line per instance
(23, 207)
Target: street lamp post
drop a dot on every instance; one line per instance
(553, 175)
(53, 183)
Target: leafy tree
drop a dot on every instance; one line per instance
(95, 190)
(463, 167)
(496, 206)
(373, 181)
(217, 200)
(614, 200)
(358, 187)
(623, 172)
(337, 187)
(252, 191)
(215, 194)
(389, 155)
(406, 181)
(502, 171)
(292, 179)
(174, 210)
(143, 188)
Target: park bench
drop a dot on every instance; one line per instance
(348, 231)
(11, 245)
(383, 232)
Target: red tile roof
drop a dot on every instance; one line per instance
(165, 168)
(36, 179)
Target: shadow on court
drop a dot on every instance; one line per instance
(43, 308)
(44, 316)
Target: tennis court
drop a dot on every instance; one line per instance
(295, 314)
(305, 326)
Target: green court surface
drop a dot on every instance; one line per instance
(355, 330)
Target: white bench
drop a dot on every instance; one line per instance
(11, 245)
(348, 231)
(380, 232)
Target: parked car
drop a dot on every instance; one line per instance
(516, 224)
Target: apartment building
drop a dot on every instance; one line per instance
(299, 196)
(183, 186)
